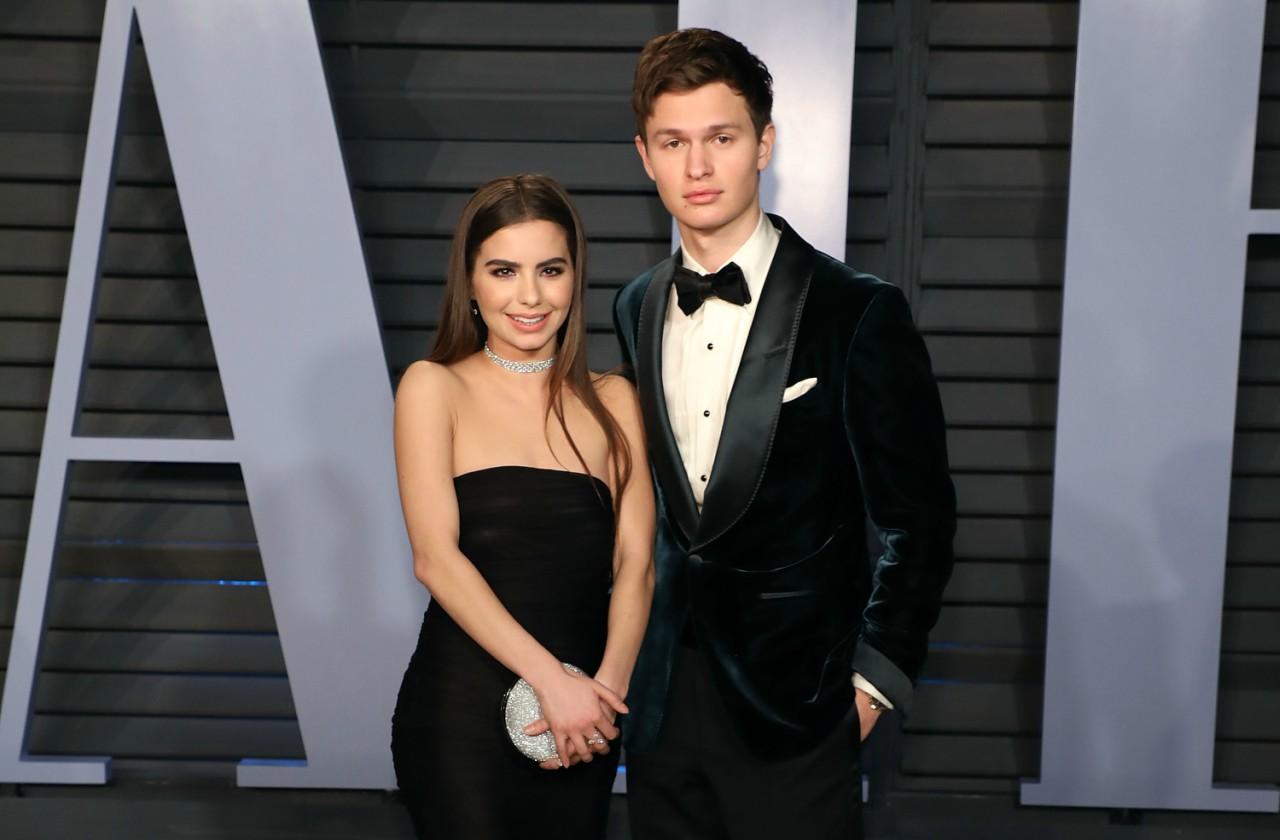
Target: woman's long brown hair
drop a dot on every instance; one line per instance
(496, 205)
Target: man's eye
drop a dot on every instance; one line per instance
(672, 144)
(723, 138)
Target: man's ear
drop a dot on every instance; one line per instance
(643, 150)
(764, 152)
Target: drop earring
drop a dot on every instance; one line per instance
(475, 310)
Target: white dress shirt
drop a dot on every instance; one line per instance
(700, 357)
(701, 353)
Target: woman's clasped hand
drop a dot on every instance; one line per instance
(580, 712)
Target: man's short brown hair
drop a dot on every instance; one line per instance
(687, 59)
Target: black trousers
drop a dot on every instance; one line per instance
(702, 783)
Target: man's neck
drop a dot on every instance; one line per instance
(711, 249)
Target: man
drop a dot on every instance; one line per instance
(787, 399)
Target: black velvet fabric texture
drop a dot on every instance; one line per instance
(775, 573)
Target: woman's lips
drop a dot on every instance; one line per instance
(528, 323)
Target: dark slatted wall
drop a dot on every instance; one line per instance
(996, 115)
(1248, 746)
(162, 641)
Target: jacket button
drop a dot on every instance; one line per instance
(702, 477)
(706, 413)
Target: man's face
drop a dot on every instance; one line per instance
(701, 150)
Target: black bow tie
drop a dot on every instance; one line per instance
(693, 288)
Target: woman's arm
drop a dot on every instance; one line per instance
(424, 466)
(633, 553)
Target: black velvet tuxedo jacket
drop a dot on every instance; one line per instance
(775, 574)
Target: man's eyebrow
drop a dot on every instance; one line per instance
(711, 129)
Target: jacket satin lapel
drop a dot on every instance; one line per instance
(751, 416)
(673, 481)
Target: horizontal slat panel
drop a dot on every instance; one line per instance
(996, 404)
(1243, 630)
(542, 24)
(163, 694)
(1244, 672)
(1002, 538)
(1003, 24)
(164, 737)
(996, 168)
(154, 482)
(383, 212)
(1031, 356)
(157, 651)
(376, 68)
(1001, 357)
(995, 214)
(189, 391)
(89, 605)
(985, 73)
(971, 755)
(21, 429)
(1000, 449)
(998, 122)
(977, 310)
(1003, 495)
(567, 25)
(977, 582)
(139, 521)
(459, 165)
(451, 164)
(987, 261)
(397, 114)
(169, 562)
(1018, 757)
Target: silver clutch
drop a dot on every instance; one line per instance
(519, 709)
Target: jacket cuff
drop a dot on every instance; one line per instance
(888, 678)
(863, 683)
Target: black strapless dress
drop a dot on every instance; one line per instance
(543, 540)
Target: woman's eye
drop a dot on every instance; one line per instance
(502, 272)
(553, 271)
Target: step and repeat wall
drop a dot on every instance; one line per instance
(161, 643)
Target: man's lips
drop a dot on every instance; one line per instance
(702, 196)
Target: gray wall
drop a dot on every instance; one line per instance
(961, 126)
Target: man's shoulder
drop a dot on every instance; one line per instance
(836, 279)
(630, 296)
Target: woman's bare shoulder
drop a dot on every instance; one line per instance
(425, 378)
(616, 392)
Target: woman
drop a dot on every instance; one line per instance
(529, 507)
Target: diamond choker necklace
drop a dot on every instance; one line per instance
(518, 367)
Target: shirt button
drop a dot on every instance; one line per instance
(706, 414)
(702, 477)
(710, 346)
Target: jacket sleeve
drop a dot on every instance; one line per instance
(624, 329)
(894, 423)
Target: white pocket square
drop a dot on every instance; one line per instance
(799, 389)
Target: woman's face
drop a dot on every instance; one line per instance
(523, 285)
